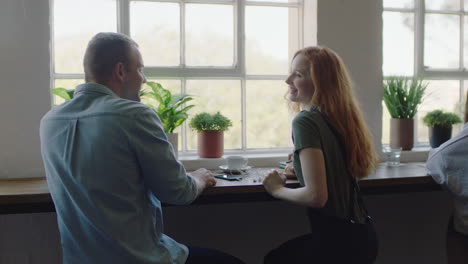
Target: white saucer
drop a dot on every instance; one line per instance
(224, 168)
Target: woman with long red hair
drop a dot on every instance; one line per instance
(332, 150)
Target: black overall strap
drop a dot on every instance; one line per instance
(354, 185)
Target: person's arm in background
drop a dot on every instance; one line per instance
(448, 166)
(314, 193)
(164, 175)
(436, 166)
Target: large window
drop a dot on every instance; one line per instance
(232, 55)
(428, 38)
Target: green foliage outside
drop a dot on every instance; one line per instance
(402, 96)
(170, 109)
(209, 122)
(66, 94)
(441, 118)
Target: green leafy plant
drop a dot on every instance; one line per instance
(170, 109)
(441, 118)
(205, 121)
(402, 96)
(66, 94)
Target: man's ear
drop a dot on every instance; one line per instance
(119, 71)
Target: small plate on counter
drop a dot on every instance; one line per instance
(225, 168)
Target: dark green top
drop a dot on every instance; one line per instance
(310, 130)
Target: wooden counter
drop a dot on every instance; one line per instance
(32, 195)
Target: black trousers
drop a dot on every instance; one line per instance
(331, 241)
(456, 245)
(199, 255)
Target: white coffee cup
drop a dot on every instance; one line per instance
(236, 162)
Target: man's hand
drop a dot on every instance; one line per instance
(204, 179)
(274, 181)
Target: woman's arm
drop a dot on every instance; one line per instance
(314, 193)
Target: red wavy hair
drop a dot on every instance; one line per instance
(334, 95)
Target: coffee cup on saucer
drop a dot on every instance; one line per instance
(236, 162)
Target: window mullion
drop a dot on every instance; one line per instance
(184, 127)
(461, 97)
(240, 67)
(244, 114)
(123, 17)
(419, 69)
(445, 74)
(240, 34)
(52, 51)
(462, 39)
(182, 34)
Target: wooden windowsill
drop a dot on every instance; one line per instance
(32, 195)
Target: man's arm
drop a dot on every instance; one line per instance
(164, 175)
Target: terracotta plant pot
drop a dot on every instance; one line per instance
(402, 133)
(173, 138)
(438, 135)
(210, 144)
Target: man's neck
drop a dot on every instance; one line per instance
(111, 86)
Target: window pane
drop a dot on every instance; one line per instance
(210, 35)
(398, 3)
(443, 4)
(442, 34)
(68, 84)
(267, 32)
(398, 43)
(443, 95)
(213, 96)
(268, 123)
(75, 23)
(156, 29)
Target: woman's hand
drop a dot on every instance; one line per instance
(289, 170)
(274, 181)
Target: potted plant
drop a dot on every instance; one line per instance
(63, 93)
(402, 98)
(440, 126)
(171, 109)
(210, 128)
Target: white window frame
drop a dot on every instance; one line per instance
(420, 69)
(307, 17)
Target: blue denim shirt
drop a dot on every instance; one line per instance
(448, 165)
(109, 166)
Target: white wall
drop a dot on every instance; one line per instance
(24, 84)
(354, 30)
